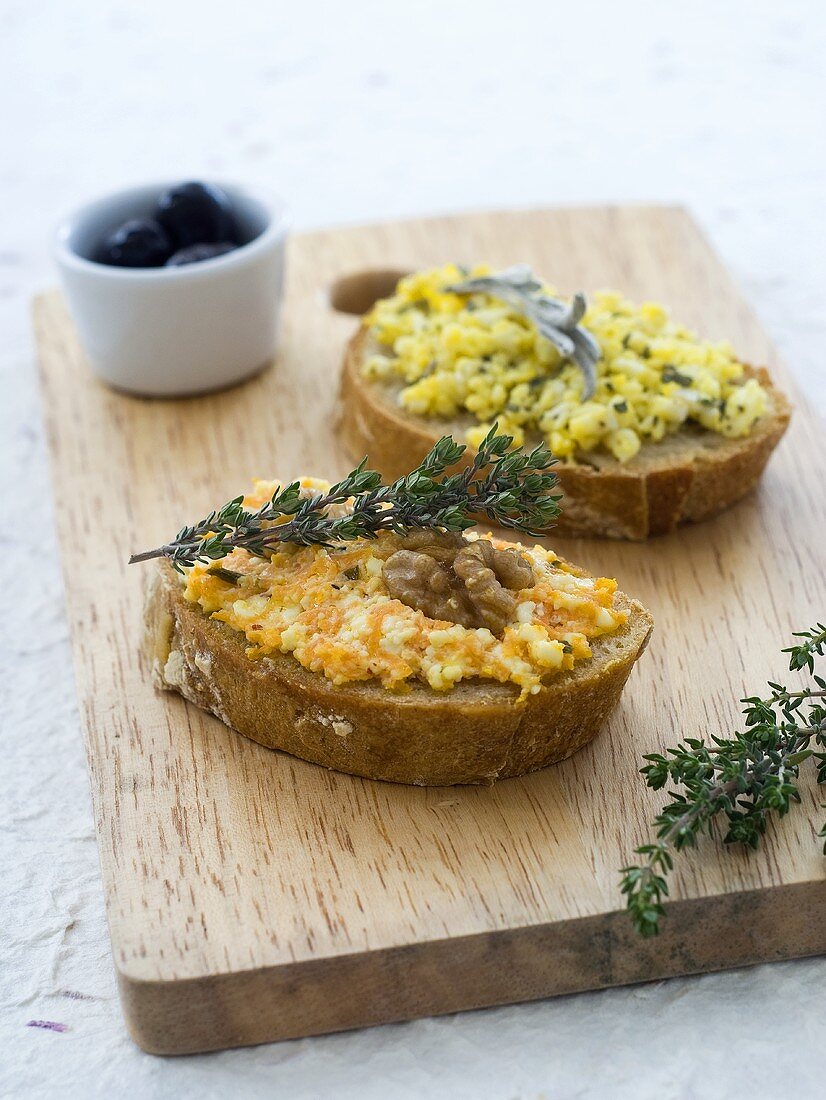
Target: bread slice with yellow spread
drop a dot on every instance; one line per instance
(675, 430)
(325, 652)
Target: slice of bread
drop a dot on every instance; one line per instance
(689, 476)
(476, 733)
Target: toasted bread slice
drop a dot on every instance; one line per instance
(689, 476)
(476, 733)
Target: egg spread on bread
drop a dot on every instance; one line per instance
(333, 610)
(477, 354)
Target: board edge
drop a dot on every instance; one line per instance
(439, 977)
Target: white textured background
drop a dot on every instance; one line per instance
(355, 112)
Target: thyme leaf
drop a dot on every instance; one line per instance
(511, 489)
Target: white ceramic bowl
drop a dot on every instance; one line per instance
(171, 331)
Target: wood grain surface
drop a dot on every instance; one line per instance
(252, 896)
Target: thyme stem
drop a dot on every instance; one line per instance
(747, 777)
(512, 489)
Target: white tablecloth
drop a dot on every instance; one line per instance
(353, 113)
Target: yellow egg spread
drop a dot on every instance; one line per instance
(331, 609)
(457, 354)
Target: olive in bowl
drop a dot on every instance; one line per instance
(203, 317)
(197, 253)
(197, 213)
(186, 216)
(138, 242)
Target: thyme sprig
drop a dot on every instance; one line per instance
(556, 320)
(746, 778)
(511, 489)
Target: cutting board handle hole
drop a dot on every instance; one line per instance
(360, 291)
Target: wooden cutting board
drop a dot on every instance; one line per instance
(254, 897)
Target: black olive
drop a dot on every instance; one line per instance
(194, 253)
(197, 213)
(140, 242)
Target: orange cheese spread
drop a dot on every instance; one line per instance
(330, 608)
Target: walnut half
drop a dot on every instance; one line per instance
(469, 583)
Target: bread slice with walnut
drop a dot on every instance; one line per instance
(689, 476)
(476, 733)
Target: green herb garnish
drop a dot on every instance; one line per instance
(671, 374)
(511, 489)
(746, 778)
(228, 576)
(556, 320)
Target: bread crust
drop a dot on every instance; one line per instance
(477, 733)
(690, 476)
